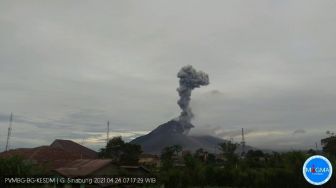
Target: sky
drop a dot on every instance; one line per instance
(67, 67)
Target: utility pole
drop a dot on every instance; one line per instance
(9, 131)
(243, 142)
(108, 132)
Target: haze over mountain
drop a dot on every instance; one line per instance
(171, 133)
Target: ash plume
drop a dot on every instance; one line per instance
(189, 80)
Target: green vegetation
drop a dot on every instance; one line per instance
(121, 152)
(179, 168)
(329, 144)
(18, 166)
(226, 169)
(256, 169)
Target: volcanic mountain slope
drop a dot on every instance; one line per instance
(171, 133)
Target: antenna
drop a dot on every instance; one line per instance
(243, 142)
(9, 131)
(108, 132)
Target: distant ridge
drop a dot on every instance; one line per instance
(169, 134)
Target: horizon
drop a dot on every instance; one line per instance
(101, 144)
(66, 68)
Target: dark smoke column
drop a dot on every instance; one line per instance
(189, 80)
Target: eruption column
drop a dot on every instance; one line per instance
(189, 79)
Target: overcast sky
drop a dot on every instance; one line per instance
(66, 67)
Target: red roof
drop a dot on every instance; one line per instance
(56, 155)
(73, 147)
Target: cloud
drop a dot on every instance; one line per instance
(4, 117)
(299, 131)
(68, 67)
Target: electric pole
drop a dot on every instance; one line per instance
(108, 132)
(9, 131)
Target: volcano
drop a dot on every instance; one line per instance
(173, 133)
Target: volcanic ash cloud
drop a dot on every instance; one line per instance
(189, 80)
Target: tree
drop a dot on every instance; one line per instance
(254, 158)
(329, 145)
(256, 154)
(227, 147)
(121, 152)
(177, 149)
(113, 149)
(131, 153)
(167, 157)
(199, 154)
(18, 166)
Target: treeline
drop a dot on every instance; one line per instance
(178, 168)
(256, 169)
(19, 166)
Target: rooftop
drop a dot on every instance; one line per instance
(56, 155)
(83, 167)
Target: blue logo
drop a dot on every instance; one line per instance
(317, 170)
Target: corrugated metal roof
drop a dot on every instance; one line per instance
(43, 155)
(83, 167)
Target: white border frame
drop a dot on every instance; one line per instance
(317, 157)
